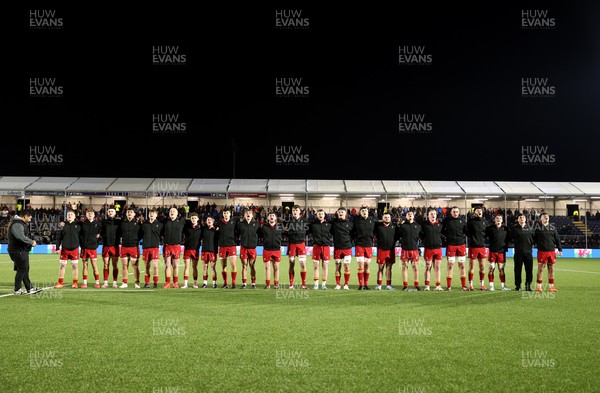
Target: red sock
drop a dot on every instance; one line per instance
(481, 275)
(416, 283)
(539, 281)
(168, 280)
(205, 278)
(491, 277)
(291, 279)
(463, 281)
(388, 282)
(378, 282)
(550, 281)
(366, 280)
(253, 280)
(61, 280)
(426, 282)
(346, 278)
(85, 276)
(124, 281)
(96, 276)
(115, 274)
(105, 274)
(186, 277)
(276, 282)
(470, 276)
(74, 281)
(502, 278)
(214, 278)
(405, 283)
(175, 280)
(155, 279)
(303, 277)
(233, 277)
(147, 279)
(268, 282)
(361, 278)
(224, 275)
(448, 282)
(244, 280)
(337, 279)
(437, 283)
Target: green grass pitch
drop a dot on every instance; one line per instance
(224, 340)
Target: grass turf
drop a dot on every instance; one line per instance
(195, 340)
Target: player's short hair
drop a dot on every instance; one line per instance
(194, 214)
(520, 215)
(478, 208)
(341, 208)
(296, 207)
(26, 213)
(90, 210)
(320, 210)
(365, 208)
(130, 208)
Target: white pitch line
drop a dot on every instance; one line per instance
(576, 271)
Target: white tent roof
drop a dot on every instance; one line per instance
(403, 189)
(365, 186)
(442, 188)
(326, 186)
(558, 188)
(287, 186)
(208, 185)
(91, 184)
(51, 184)
(592, 189)
(248, 185)
(519, 188)
(130, 185)
(481, 188)
(11, 183)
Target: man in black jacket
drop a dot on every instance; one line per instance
(386, 234)
(364, 226)
(455, 230)
(271, 232)
(409, 232)
(247, 230)
(341, 228)
(522, 236)
(320, 229)
(90, 232)
(499, 236)
(19, 245)
(296, 229)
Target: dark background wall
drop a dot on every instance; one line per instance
(352, 87)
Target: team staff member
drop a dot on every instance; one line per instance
(67, 245)
(522, 236)
(19, 245)
(364, 226)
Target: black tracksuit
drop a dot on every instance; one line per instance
(88, 234)
(248, 233)
(272, 236)
(476, 230)
(341, 230)
(19, 245)
(546, 238)
(296, 229)
(455, 231)
(192, 236)
(386, 235)
(226, 233)
(151, 232)
(321, 232)
(172, 231)
(499, 238)
(363, 231)
(68, 236)
(131, 233)
(210, 239)
(409, 235)
(523, 241)
(111, 232)
(431, 234)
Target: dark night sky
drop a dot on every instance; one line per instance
(347, 124)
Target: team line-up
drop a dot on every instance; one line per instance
(121, 238)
